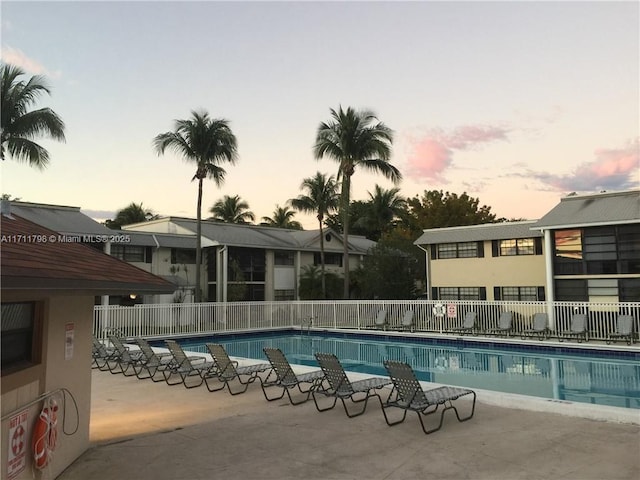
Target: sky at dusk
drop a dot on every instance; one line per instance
(515, 103)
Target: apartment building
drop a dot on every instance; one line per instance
(587, 248)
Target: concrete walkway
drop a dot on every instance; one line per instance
(150, 431)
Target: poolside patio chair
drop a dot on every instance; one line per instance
(185, 367)
(338, 385)
(505, 323)
(286, 379)
(408, 395)
(226, 371)
(539, 327)
(380, 321)
(101, 354)
(468, 323)
(624, 330)
(123, 359)
(578, 328)
(152, 363)
(407, 322)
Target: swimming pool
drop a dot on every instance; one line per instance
(538, 370)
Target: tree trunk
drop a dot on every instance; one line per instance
(322, 279)
(198, 293)
(346, 193)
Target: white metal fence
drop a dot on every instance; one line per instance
(150, 320)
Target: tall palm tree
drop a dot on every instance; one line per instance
(132, 213)
(282, 218)
(321, 198)
(19, 125)
(232, 210)
(207, 142)
(355, 139)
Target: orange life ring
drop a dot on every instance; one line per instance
(45, 435)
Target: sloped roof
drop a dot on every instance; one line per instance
(62, 219)
(360, 244)
(478, 233)
(608, 208)
(259, 236)
(148, 239)
(33, 259)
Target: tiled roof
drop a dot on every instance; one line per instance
(33, 257)
(608, 208)
(478, 233)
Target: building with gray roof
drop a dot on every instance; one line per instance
(587, 248)
(270, 259)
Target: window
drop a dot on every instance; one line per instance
(181, 256)
(568, 244)
(629, 248)
(571, 290)
(459, 250)
(519, 294)
(131, 253)
(282, 295)
(568, 252)
(461, 293)
(629, 289)
(249, 261)
(603, 290)
(283, 258)
(598, 251)
(517, 246)
(20, 336)
(448, 250)
(329, 259)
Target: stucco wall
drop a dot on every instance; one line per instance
(56, 371)
(515, 271)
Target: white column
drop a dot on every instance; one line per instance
(298, 262)
(550, 293)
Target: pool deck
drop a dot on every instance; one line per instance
(151, 431)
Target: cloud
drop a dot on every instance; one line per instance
(20, 59)
(612, 169)
(432, 153)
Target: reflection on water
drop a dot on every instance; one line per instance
(575, 378)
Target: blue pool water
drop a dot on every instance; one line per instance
(587, 376)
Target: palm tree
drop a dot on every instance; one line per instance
(282, 218)
(232, 210)
(321, 198)
(20, 126)
(355, 140)
(132, 213)
(207, 142)
(383, 207)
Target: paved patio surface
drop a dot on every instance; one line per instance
(150, 431)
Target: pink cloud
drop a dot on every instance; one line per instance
(432, 153)
(612, 169)
(616, 162)
(463, 138)
(18, 58)
(428, 159)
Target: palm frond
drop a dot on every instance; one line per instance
(27, 151)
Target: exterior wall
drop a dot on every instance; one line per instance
(488, 271)
(54, 372)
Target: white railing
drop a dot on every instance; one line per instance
(150, 320)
